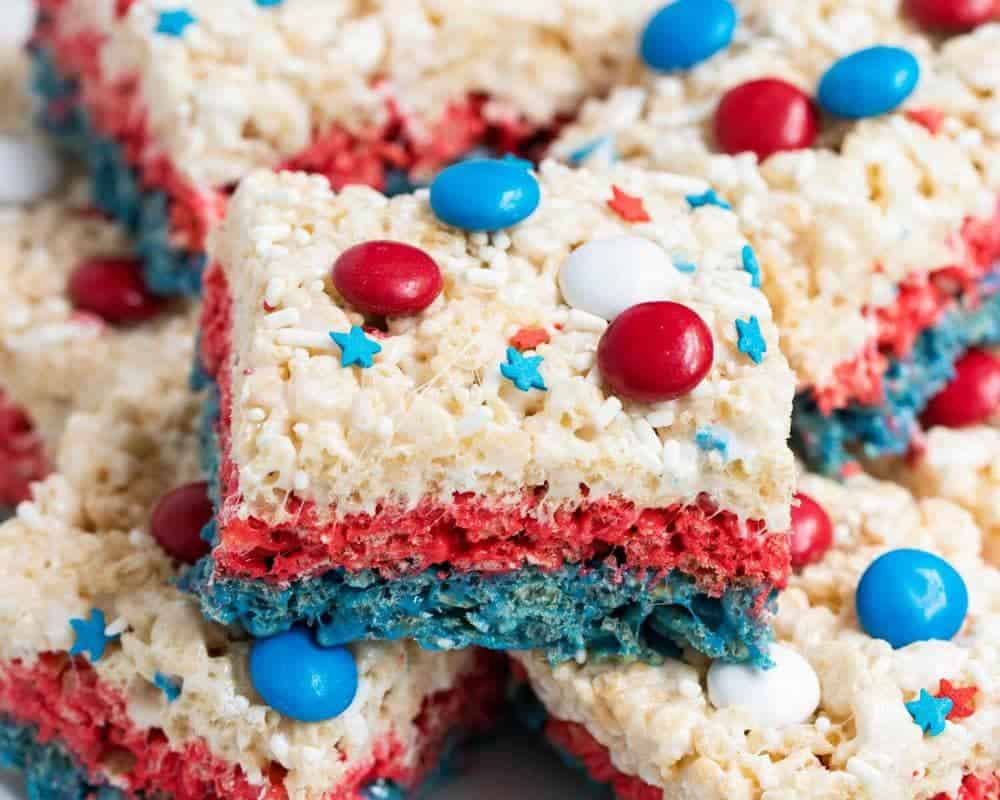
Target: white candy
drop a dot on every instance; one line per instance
(19, 21)
(29, 169)
(786, 694)
(606, 276)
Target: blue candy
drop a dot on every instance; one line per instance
(908, 596)
(484, 194)
(300, 679)
(868, 82)
(687, 32)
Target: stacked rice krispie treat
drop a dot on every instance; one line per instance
(113, 685)
(171, 104)
(860, 150)
(450, 415)
(884, 686)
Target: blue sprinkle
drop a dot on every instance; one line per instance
(712, 441)
(522, 371)
(170, 688)
(269, 3)
(90, 636)
(751, 340)
(930, 712)
(707, 198)
(174, 23)
(751, 265)
(586, 150)
(686, 267)
(356, 348)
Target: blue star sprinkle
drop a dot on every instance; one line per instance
(356, 348)
(751, 340)
(523, 163)
(930, 712)
(89, 635)
(170, 688)
(681, 265)
(709, 441)
(751, 265)
(707, 198)
(522, 371)
(174, 23)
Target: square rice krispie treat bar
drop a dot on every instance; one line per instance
(518, 410)
(113, 685)
(885, 682)
(172, 103)
(861, 154)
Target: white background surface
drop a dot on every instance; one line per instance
(513, 767)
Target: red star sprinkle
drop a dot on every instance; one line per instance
(529, 338)
(930, 118)
(627, 207)
(962, 698)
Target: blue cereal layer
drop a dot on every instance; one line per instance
(115, 187)
(827, 443)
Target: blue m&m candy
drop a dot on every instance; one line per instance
(300, 679)
(687, 32)
(485, 194)
(908, 596)
(869, 82)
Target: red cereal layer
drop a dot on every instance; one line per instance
(920, 304)
(22, 456)
(68, 703)
(472, 532)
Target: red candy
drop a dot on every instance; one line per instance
(655, 351)
(113, 289)
(812, 532)
(953, 15)
(764, 117)
(390, 279)
(178, 519)
(973, 395)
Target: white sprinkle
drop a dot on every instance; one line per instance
(583, 321)
(256, 414)
(282, 319)
(688, 688)
(485, 278)
(646, 435)
(606, 414)
(583, 361)
(274, 292)
(384, 428)
(679, 183)
(300, 429)
(28, 513)
(301, 481)
(297, 337)
(279, 746)
(272, 232)
(661, 418)
(117, 627)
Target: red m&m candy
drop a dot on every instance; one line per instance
(178, 519)
(764, 117)
(113, 289)
(973, 395)
(390, 279)
(655, 351)
(953, 15)
(812, 531)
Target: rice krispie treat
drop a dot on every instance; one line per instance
(172, 103)
(885, 683)
(861, 155)
(112, 683)
(518, 410)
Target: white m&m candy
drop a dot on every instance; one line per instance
(606, 276)
(29, 169)
(786, 694)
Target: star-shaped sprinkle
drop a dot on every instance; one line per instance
(529, 338)
(523, 163)
(751, 265)
(627, 207)
(89, 635)
(709, 441)
(355, 347)
(930, 712)
(930, 118)
(686, 267)
(170, 687)
(963, 699)
(174, 23)
(707, 198)
(751, 340)
(522, 371)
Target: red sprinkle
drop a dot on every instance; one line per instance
(178, 519)
(529, 338)
(963, 699)
(953, 15)
(930, 118)
(113, 289)
(655, 351)
(765, 117)
(628, 207)
(972, 397)
(812, 532)
(387, 278)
